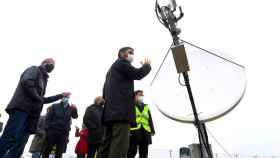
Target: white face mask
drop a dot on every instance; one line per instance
(140, 99)
(130, 58)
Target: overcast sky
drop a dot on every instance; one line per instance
(84, 37)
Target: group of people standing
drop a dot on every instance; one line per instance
(53, 130)
(117, 125)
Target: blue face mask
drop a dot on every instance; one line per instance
(65, 101)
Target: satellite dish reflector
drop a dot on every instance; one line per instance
(218, 85)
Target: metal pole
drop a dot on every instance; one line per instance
(200, 127)
(170, 153)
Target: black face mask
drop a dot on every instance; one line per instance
(49, 67)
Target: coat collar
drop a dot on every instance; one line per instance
(44, 72)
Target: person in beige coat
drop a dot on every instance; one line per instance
(37, 142)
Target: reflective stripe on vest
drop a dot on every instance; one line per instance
(142, 119)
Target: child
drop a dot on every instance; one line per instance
(82, 146)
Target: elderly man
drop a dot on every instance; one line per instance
(92, 120)
(25, 107)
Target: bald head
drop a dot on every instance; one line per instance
(48, 61)
(48, 64)
(99, 100)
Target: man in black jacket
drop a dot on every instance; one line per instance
(92, 121)
(141, 134)
(119, 103)
(25, 107)
(58, 126)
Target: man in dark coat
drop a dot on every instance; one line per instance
(92, 121)
(25, 107)
(141, 134)
(58, 126)
(119, 103)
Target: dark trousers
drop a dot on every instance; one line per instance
(143, 150)
(92, 149)
(15, 135)
(116, 141)
(54, 139)
(17, 150)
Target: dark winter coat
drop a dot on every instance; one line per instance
(141, 136)
(37, 142)
(118, 90)
(59, 117)
(29, 95)
(92, 120)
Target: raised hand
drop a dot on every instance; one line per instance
(146, 61)
(66, 94)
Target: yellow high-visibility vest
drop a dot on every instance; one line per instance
(142, 119)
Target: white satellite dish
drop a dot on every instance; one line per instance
(218, 86)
